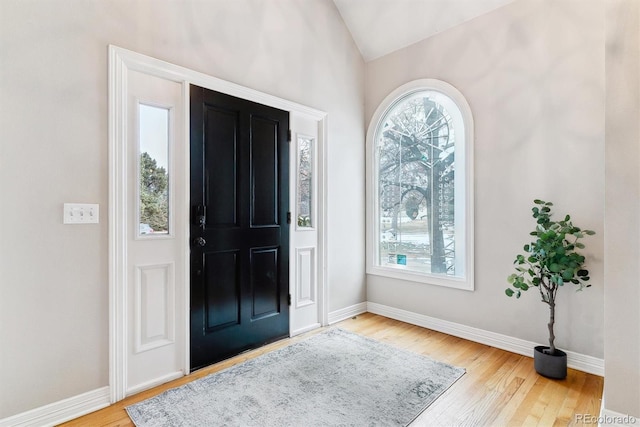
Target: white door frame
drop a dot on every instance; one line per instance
(120, 62)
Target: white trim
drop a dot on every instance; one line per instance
(154, 382)
(615, 419)
(120, 61)
(347, 312)
(117, 225)
(305, 329)
(323, 219)
(61, 411)
(186, 293)
(581, 362)
(166, 70)
(465, 243)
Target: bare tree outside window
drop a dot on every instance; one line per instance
(416, 172)
(305, 181)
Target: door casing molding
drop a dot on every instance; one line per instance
(120, 62)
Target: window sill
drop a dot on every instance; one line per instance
(463, 283)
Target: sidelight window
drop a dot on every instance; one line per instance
(304, 185)
(153, 178)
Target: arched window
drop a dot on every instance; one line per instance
(420, 187)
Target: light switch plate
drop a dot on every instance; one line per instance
(81, 213)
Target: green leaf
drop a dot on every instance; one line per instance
(579, 245)
(509, 292)
(589, 232)
(538, 202)
(582, 273)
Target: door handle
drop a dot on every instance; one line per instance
(200, 216)
(199, 241)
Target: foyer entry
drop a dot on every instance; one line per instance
(150, 267)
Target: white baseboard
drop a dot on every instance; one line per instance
(347, 312)
(61, 411)
(615, 419)
(577, 361)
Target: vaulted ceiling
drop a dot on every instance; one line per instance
(380, 27)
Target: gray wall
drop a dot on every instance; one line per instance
(622, 209)
(53, 133)
(533, 73)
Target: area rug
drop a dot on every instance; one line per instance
(334, 378)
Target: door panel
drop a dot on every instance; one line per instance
(221, 168)
(222, 290)
(264, 172)
(239, 231)
(264, 283)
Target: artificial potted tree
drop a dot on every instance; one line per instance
(549, 262)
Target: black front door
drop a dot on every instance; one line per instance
(239, 225)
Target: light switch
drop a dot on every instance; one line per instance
(81, 213)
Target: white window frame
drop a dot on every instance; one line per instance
(464, 211)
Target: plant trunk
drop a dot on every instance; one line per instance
(552, 321)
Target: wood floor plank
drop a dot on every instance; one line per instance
(498, 389)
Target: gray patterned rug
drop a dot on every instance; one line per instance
(334, 378)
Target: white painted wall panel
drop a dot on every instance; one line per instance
(306, 282)
(154, 303)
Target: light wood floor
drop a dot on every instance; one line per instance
(498, 389)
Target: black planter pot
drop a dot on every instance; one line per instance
(550, 365)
